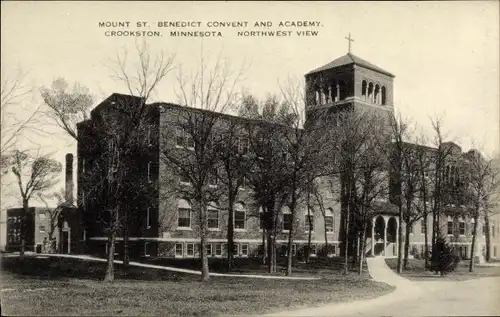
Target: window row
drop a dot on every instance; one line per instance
(184, 217)
(452, 225)
(184, 139)
(373, 93)
(184, 220)
(212, 249)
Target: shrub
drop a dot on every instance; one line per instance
(443, 260)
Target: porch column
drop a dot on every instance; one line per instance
(373, 237)
(397, 236)
(385, 234)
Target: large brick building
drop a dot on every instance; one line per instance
(162, 221)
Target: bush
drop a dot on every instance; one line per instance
(443, 260)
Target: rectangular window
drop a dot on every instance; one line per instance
(329, 223)
(243, 146)
(189, 141)
(213, 219)
(190, 249)
(236, 249)
(287, 222)
(294, 249)
(146, 249)
(179, 250)
(42, 217)
(313, 249)
(239, 219)
(184, 179)
(218, 249)
(462, 227)
(179, 136)
(41, 228)
(309, 223)
(334, 250)
(244, 249)
(422, 226)
(184, 220)
(450, 227)
(208, 248)
(212, 178)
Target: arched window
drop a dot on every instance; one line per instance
(377, 98)
(212, 216)
(183, 214)
(364, 87)
(329, 220)
(383, 95)
(239, 216)
(370, 92)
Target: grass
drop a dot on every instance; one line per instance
(416, 271)
(58, 286)
(318, 267)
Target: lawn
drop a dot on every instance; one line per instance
(416, 271)
(318, 267)
(58, 286)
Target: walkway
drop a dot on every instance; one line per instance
(175, 269)
(380, 272)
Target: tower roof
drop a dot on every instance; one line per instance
(348, 59)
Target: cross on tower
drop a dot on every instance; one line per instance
(349, 39)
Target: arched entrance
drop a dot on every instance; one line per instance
(379, 233)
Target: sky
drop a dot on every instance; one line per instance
(445, 55)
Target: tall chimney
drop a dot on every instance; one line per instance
(69, 178)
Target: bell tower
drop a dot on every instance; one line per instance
(348, 83)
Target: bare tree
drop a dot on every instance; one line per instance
(231, 148)
(34, 175)
(482, 180)
(267, 170)
(67, 107)
(304, 150)
(122, 127)
(439, 158)
(210, 92)
(54, 212)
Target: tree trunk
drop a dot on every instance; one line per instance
(126, 256)
(407, 245)
(264, 248)
(487, 236)
(24, 228)
(205, 274)
(309, 236)
(346, 241)
(110, 269)
(230, 236)
(400, 238)
(426, 241)
(472, 249)
(363, 245)
(289, 249)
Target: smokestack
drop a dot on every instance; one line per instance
(69, 178)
